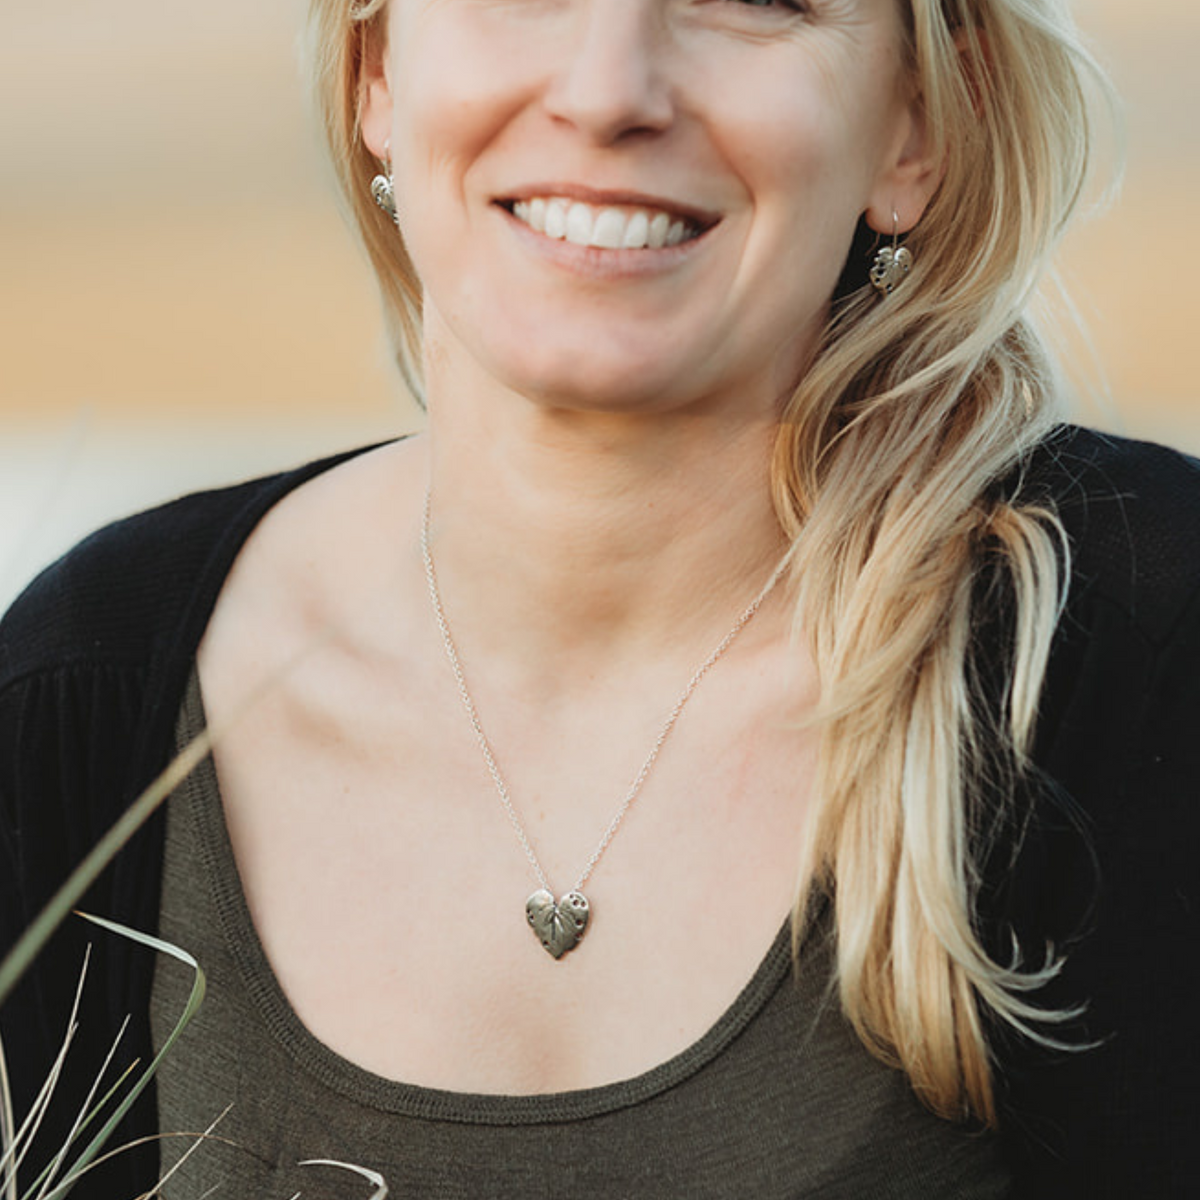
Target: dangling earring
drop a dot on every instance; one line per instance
(892, 263)
(383, 189)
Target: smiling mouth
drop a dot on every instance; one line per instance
(607, 227)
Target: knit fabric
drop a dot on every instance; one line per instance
(94, 661)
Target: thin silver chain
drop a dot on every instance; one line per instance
(485, 746)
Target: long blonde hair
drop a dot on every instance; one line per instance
(885, 477)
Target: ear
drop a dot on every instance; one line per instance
(915, 175)
(910, 176)
(375, 90)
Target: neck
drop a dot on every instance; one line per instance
(570, 544)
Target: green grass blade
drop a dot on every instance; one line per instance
(198, 1141)
(8, 1124)
(15, 1153)
(90, 1118)
(194, 1000)
(102, 1104)
(82, 1118)
(31, 942)
(141, 1141)
(381, 1187)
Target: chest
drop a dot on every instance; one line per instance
(377, 850)
(776, 1099)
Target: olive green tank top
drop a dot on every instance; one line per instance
(777, 1100)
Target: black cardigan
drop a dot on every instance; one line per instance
(93, 661)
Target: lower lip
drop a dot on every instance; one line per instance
(599, 262)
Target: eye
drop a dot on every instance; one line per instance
(758, 18)
(787, 6)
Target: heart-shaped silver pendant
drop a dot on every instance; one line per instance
(558, 924)
(890, 267)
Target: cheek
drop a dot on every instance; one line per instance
(806, 138)
(441, 121)
(438, 114)
(808, 186)
(460, 75)
(463, 74)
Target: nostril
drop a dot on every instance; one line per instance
(613, 86)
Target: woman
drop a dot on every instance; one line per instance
(738, 542)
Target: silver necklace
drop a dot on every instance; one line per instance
(560, 924)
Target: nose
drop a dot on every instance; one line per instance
(613, 78)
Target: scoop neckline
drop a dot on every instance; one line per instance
(359, 1084)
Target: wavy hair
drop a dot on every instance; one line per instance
(886, 477)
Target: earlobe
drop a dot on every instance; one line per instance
(917, 173)
(905, 188)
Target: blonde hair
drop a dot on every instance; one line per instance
(340, 35)
(886, 477)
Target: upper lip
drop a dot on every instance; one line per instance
(599, 197)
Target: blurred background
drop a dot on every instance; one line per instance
(180, 304)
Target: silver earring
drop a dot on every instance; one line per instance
(892, 264)
(383, 192)
(383, 188)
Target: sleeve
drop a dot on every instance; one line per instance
(59, 752)
(71, 703)
(1112, 871)
(94, 657)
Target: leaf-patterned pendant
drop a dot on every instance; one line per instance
(890, 268)
(558, 924)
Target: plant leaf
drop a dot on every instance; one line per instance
(7, 1128)
(15, 1154)
(196, 1144)
(381, 1187)
(194, 1000)
(31, 942)
(83, 1117)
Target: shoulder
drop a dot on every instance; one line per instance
(1104, 868)
(94, 658)
(1121, 699)
(140, 583)
(1131, 511)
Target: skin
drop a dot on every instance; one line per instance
(600, 425)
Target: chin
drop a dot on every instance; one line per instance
(596, 381)
(638, 394)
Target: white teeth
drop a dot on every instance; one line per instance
(636, 231)
(609, 228)
(556, 218)
(579, 225)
